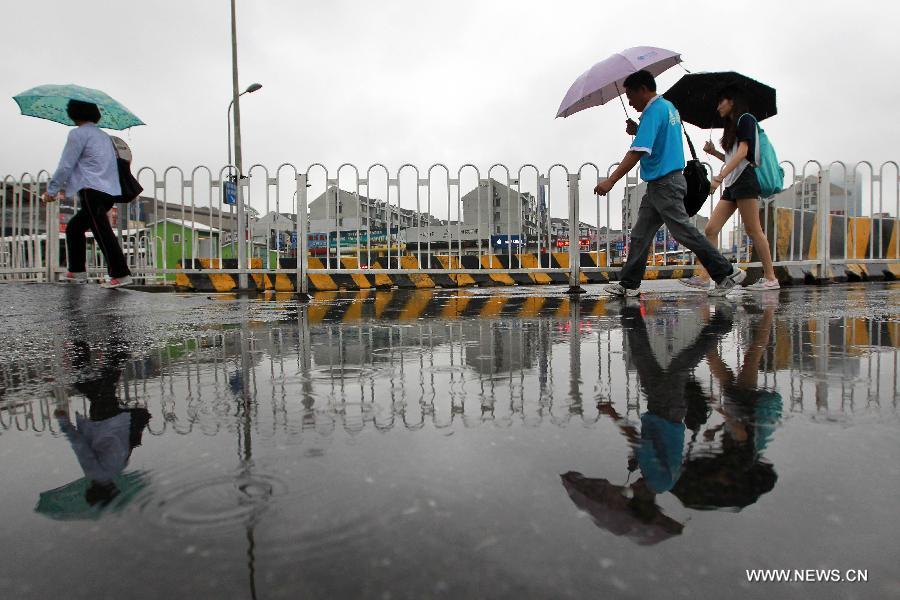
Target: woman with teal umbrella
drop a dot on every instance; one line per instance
(87, 168)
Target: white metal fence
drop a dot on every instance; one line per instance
(441, 221)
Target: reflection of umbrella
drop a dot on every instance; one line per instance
(695, 95)
(723, 481)
(68, 503)
(49, 102)
(603, 82)
(641, 520)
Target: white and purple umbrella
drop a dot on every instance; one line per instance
(603, 82)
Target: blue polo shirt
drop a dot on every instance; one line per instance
(661, 452)
(659, 138)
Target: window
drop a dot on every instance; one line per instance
(497, 202)
(176, 238)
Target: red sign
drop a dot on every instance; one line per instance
(584, 243)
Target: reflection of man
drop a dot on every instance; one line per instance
(660, 446)
(659, 443)
(104, 440)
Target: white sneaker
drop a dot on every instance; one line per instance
(616, 289)
(116, 282)
(764, 284)
(729, 283)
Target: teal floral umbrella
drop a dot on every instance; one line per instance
(49, 102)
(68, 503)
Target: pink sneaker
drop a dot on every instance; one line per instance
(116, 282)
(70, 277)
(764, 284)
(696, 282)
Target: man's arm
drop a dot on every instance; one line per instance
(631, 158)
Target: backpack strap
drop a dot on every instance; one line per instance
(756, 154)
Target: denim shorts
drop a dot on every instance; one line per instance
(746, 186)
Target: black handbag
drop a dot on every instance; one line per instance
(131, 188)
(697, 181)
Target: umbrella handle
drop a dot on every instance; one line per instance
(622, 101)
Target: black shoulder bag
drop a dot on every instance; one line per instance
(697, 180)
(131, 188)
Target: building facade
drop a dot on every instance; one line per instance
(495, 209)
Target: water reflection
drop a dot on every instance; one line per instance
(103, 440)
(344, 364)
(374, 425)
(707, 472)
(725, 467)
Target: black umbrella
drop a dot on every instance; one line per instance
(695, 96)
(723, 481)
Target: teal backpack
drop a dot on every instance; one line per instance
(768, 171)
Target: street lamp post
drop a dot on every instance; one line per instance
(253, 87)
(235, 100)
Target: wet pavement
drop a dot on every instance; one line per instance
(498, 443)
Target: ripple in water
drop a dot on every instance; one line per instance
(222, 502)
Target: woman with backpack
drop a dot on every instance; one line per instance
(88, 167)
(741, 187)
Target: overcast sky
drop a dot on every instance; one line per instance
(423, 82)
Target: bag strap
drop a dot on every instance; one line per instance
(690, 143)
(756, 150)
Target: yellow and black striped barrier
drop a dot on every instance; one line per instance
(495, 271)
(797, 239)
(206, 279)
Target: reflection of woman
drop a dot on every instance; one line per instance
(735, 475)
(103, 441)
(741, 188)
(88, 167)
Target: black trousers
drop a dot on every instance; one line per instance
(92, 216)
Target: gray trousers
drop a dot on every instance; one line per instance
(664, 204)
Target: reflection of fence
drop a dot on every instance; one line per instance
(413, 362)
(831, 221)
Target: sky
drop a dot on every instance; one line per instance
(420, 82)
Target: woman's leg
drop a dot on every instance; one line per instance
(721, 213)
(76, 248)
(749, 208)
(97, 205)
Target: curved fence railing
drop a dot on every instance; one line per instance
(445, 227)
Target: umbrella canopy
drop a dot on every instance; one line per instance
(49, 102)
(695, 96)
(613, 511)
(69, 502)
(724, 481)
(603, 82)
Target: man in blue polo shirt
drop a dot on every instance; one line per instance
(658, 147)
